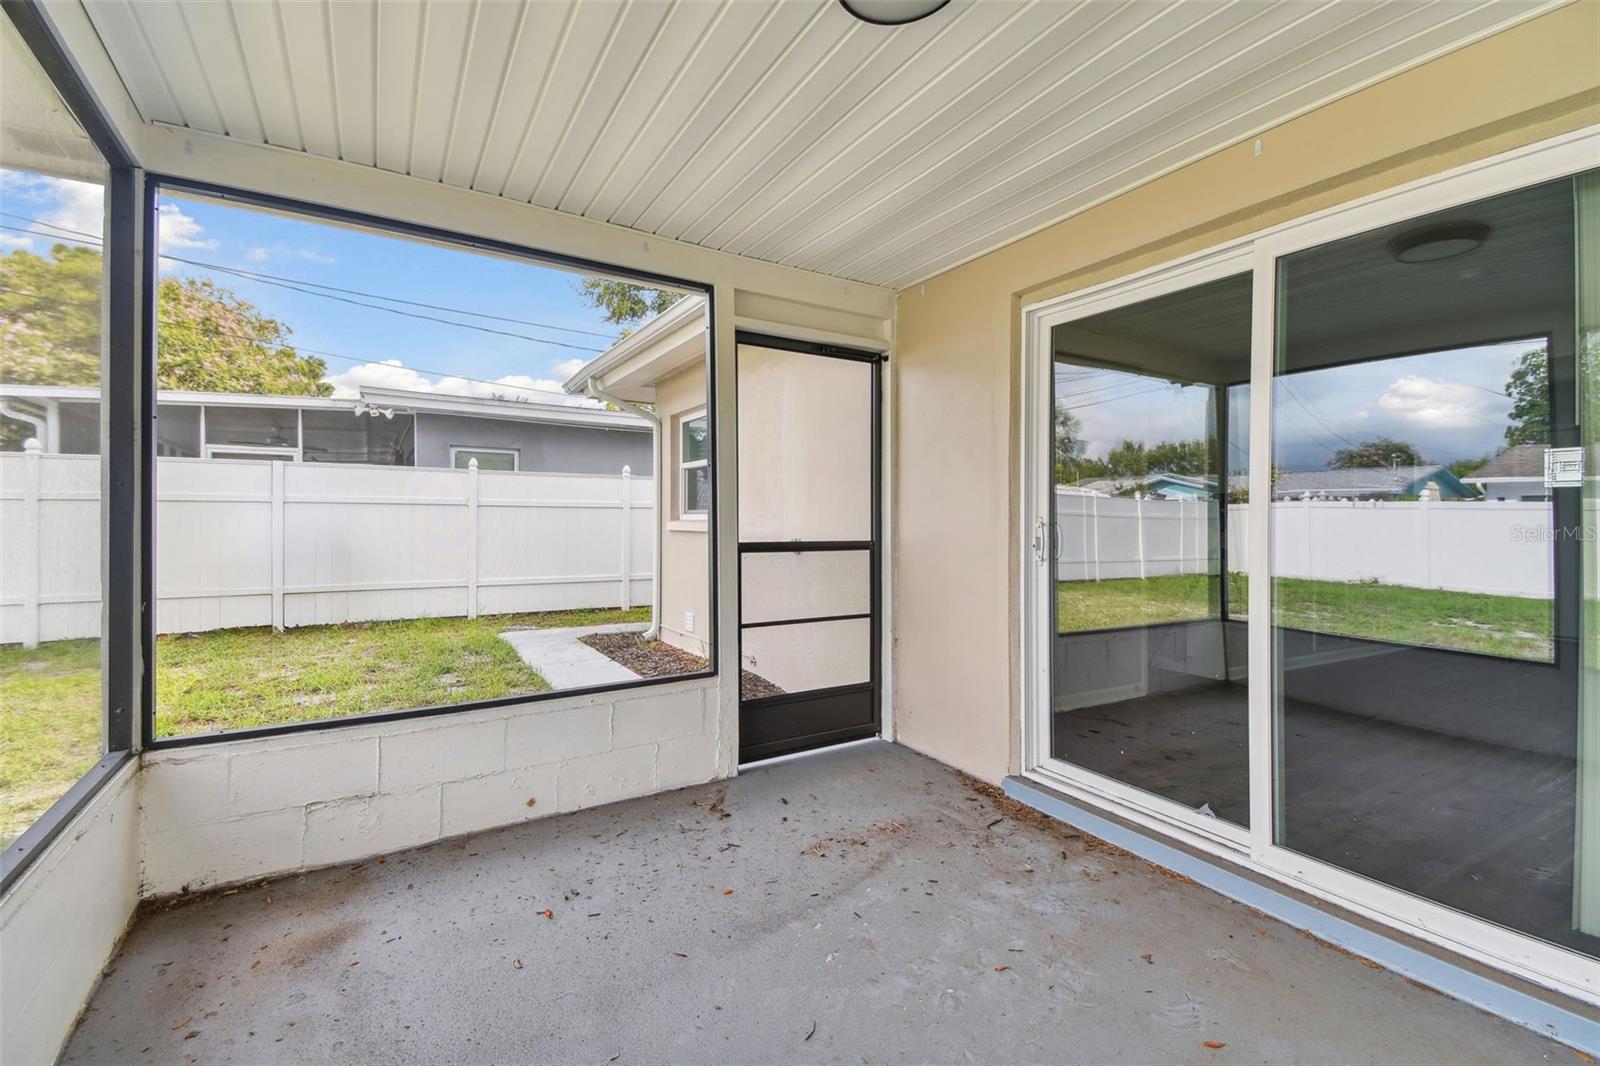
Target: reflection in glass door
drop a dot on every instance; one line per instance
(1150, 459)
(808, 546)
(1426, 567)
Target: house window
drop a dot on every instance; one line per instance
(694, 466)
(488, 458)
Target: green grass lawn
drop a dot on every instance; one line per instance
(49, 726)
(1465, 621)
(235, 678)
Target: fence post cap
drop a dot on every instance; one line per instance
(472, 464)
(31, 446)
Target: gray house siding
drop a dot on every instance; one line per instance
(558, 449)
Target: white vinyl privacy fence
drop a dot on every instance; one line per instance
(258, 543)
(1488, 546)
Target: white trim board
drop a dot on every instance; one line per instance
(1542, 1015)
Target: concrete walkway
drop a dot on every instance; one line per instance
(566, 662)
(860, 905)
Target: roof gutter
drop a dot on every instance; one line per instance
(595, 392)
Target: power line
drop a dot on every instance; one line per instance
(308, 288)
(370, 362)
(257, 275)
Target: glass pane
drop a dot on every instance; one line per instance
(342, 561)
(697, 490)
(1424, 594)
(800, 658)
(1149, 671)
(805, 446)
(230, 427)
(342, 436)
(486, 460)
(779, 585)
(696, 440)
(52, 183)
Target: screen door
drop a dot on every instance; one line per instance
(808, 546)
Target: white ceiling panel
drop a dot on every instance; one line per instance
(789, 132)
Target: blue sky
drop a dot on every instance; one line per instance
(415, 353)
(1450, 405)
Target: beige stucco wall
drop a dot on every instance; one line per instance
(956, 444)
(684, 548)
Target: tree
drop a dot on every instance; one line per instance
(210, 339)
(213, 341)
(1529, 389)
(1380, 451)
(625, 303)
(1069, 446)
(1189, 457)
(50, 317)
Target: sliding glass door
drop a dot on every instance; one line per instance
(1425, 585)
(1148, 680)
(1379, 427)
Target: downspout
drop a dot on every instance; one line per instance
(40, 432)
(594, 392)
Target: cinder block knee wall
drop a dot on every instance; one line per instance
(216, 814)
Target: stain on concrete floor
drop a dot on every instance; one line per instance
(862, 905)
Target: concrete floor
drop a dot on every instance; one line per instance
(861, 905)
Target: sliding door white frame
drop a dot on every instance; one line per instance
(1515, 952)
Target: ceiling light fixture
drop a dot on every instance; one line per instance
(1433, 244)
(891, 12)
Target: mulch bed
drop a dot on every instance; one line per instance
(657, 658)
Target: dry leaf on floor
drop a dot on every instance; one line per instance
(548, 915)
(1212, 1044)
(1002, 968)
(183, 1023)
(516, 964)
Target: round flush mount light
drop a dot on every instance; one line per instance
(1433, 244)
(891, 12)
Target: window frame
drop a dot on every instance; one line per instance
(516, 456)
(1260, 252)
(245, 451)
(684, 512)
(126, 409)
(154, 184)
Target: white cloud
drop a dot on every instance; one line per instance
(80, 208)
(1424, 402)
(20, 240)
(568, 367)
(393, 374)
(179, 232)
(259, 254)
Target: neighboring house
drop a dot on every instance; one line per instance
(1159, 485)
(662, 364)
(382, 427)
(1517, 473)
(1432, 481)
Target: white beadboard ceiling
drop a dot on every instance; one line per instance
(789, 132)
